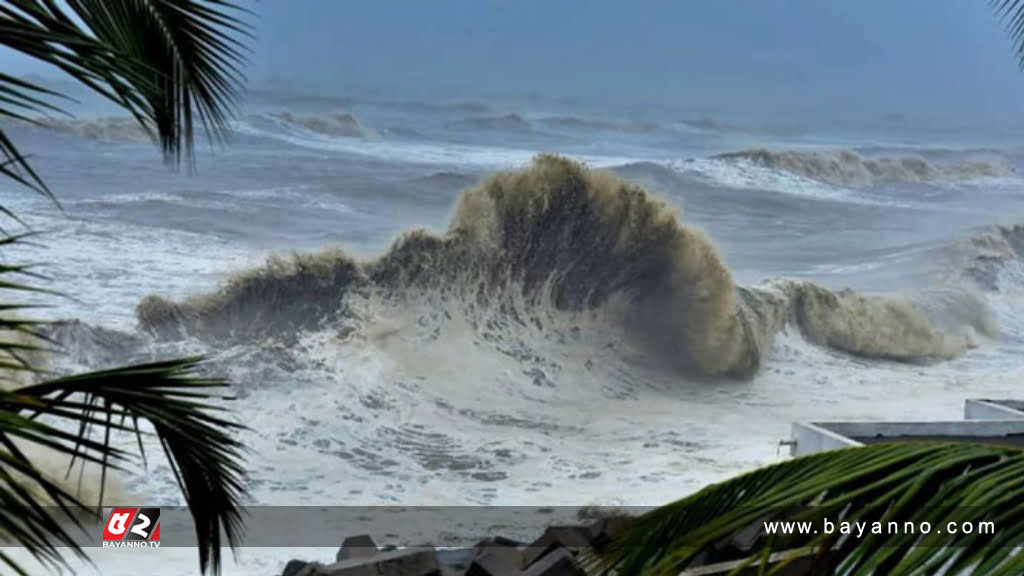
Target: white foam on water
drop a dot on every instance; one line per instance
(446, 154)
(227, 199)
(106, 266)
(669, 440)
(746, 175)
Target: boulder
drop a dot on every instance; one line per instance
(407, 562)
(492, 562)
(503, 541)
(605, 530)
(570, 538)
(496, 556)
(293, 567)
(558, 562)
(361, 546)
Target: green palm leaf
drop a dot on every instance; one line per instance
(164, 61)
(1011, 12)
(174, 65)
(909, 482)
(76, 416)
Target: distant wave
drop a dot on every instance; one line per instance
(505, 122)
(448, 179)
(848, 168)
(338, 124)
(557, 250)
(121, 129)
(646, 169)
(403, 132)
(109, 129)
(515, 122)
(583, 123)
(290, 98)
(708, 125)
(469, 107)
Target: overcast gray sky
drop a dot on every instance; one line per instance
(751, 58)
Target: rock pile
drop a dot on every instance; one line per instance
(555, 553)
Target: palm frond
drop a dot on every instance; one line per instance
(936, 483)
(23, 340)
(174, 65)
(199, 445)
(164, 61)
(1011, 13)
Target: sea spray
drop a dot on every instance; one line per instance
(548, 245)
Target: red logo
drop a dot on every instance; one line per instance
(133, 524)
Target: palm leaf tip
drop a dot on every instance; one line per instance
(1011, 14)
(187, 62)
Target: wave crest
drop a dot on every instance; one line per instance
(506, 122)
(597, 124)
(557, 240)
(984, 255)
(110, 129)
(875, 326)
(848, 168)
(341, 125)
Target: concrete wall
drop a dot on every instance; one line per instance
(809, 438)
(993, 409)
(818, 436)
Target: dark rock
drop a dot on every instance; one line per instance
(502, 541)
(491, 542)
(408, 562)
(310, 569)
(491, 562)
(497, 555)
(605, 530)
(293, 567)
(574, 538)
(361, 546)
(558, 562)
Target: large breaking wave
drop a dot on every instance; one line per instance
(561, 248)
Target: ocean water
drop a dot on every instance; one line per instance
(555, 337)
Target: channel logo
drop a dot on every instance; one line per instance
(132, 528)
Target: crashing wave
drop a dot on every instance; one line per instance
(337, 125)
(848, 168)
(560, 241)
(983, 256)
(875, 326)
